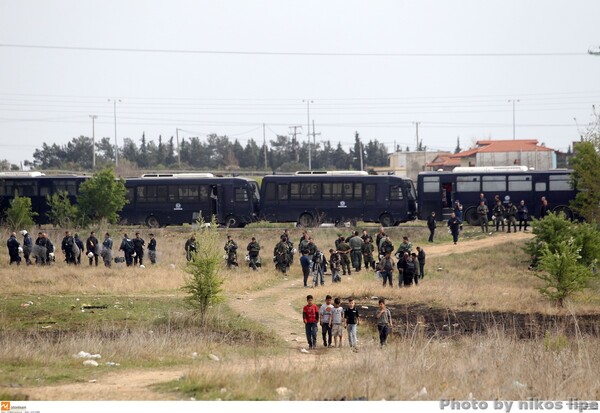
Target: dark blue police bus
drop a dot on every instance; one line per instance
(315, 197)
(438, 191)
(174, 199)
(38, 187)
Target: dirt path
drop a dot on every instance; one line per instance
(256, 305)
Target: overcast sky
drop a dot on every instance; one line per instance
(227, 67)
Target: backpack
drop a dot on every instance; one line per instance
(410, 267)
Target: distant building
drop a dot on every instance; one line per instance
(409, 164)
(525, 152)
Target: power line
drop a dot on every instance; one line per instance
(273, 53)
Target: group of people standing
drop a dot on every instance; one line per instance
(506, 212)
(42, 250)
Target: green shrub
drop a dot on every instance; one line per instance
(19, 215)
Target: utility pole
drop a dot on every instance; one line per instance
(265, 147)
(314, 135)
(114, 101)
(360, 146)
(178, 150)
(513, 105)
(308, 102)
(417, 125)
(93, 117)
(296, 127)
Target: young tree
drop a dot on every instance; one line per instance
(62, 213)
(586, 170)
(102, 196)
(19, 215)
(204, 284)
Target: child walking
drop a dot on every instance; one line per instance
(337, 320)
(310, 315)
(384, 322)
(352, 321)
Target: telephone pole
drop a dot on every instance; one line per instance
(93, 117)
(308, 102)
(178, 150)
(114, 101)
(314, 135)
(513, 105)
(265, 147)
(296, 151)
(417, 125)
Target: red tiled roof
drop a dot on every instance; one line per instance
(445, 160)
(519, 145)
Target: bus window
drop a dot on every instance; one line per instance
(332, 191)
(560, 183)
(396, 193)
(305, 191)
(64, 186)
(519, 183)
(540, 186)
(468, 184)
(204, 192)
(162, 192)
(431, 184)
(240, 195)
(129, 195)
(358, 191)
(282, 191)
(370, 192)
(493, 183)
(270, 194)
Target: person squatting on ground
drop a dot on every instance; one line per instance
(152, 249)
(231, 250)
(310, 316)
(325, 317)
(432, 225)
(14, 247)
(337, 322)
(386, 269)
(128, 249)
(351, 319)
(190, 248)
(454, 226)
(253, 249)
(356, 245)
(106, 253)
(92, 249)
(482, 213)
(384, 322)
(523, 215)
(138, 249)
(27, 246)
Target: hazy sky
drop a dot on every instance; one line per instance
(375, 67)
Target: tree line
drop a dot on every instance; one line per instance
(284, 153)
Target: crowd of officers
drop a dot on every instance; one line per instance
(503, 212)
(42, 251)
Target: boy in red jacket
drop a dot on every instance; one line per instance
(310, 314)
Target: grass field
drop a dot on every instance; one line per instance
(137, 318)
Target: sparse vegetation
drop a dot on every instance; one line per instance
(19, 214)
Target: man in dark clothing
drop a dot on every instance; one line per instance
(128, 249)
(138, 249)
(421, 256)
(40, 249)
(231, 250)
(190, 248)
(27, 246)
(431, 224)
(482, 212)
(253, 251)
(511, 216)
(386, 269)
(282, 255)
(91, 247)
(344, 251)
(305, 264)
(499, 211)
(406, 266)
(79, 244)
(152, 249)
(68, 247)
(106, 252)
(523, 215)
(454, 225)
(367, 252)
(365, 236)
(13, 249)
(356, 243)
(49, 250)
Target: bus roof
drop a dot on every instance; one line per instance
(352, 173)
(179, 175)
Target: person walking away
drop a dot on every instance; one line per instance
(68, 246)
(384, 322)
(27, 246)
(92, 248)
(367, 252)
(318, 268)
(356, 245)
(128, 249)
(523, 215)
(138, 249)
(421, 256)
(80, 247)
(344, 251)
(325, 317)
(334, 265)
(351, 319)
(499, 213)
(190, 248)
(417, 275)
(310, 316)
(305, 264)
(253, 249)
(152, 249)
(231, 250)
(337, 322)
(107, 253)
(454, 225)
(386, 269)
(13, 249)
(511, 216)
(431, 224)
(482, 212)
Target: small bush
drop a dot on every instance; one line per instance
(19, 215)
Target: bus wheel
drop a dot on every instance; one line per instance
(472, 217)
(152, 222)
(232, 221)
(386, 220)
(306, 220)
(562, 209)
